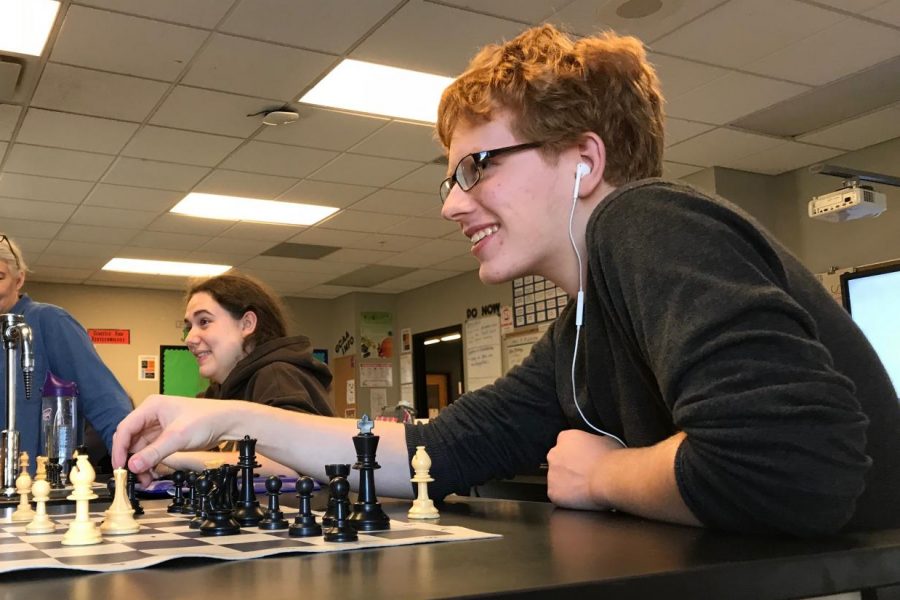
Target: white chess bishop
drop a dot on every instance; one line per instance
(82, 531)
(423, 506)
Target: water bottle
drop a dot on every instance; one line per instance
(59, 419)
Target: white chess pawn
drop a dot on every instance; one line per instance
(119, 517)
(41, 522)
(23, 487)
(82, 531)
(422, 507)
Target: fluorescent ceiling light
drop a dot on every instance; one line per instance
(25, 25)
(164, 267)
(233, 208)
(381, 90)
(451, 337)
(432, 341)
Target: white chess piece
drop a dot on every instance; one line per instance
(41, 472)
(119, 517)
(41, 522)
(23, 512)
(82, 531)
(422, 507)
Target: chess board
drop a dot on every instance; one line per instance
(164, 537)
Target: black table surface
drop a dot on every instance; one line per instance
(543, 552)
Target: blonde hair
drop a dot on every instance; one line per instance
(11, 253)
(557, 89)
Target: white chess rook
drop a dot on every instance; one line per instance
(422, 507)
(82, 531)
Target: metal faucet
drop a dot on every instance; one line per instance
(16, 335)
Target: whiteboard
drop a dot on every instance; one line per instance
(483, 357)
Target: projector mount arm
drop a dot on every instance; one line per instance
(852, 177)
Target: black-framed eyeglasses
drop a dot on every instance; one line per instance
(469, 168)
(3, 238)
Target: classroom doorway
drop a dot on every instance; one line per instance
(437, 369)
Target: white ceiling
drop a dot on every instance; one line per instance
(136, 102)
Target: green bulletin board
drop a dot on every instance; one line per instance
(180, 373)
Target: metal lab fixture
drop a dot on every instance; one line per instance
(16, 336)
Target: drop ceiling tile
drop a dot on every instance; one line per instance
(417, 25)
(678, 76)
(59, 274)
(355, 220)
(9, 116)
(730, 97)
(235, 247)
(322, 236)
(54, 162)
(817, 59)
(200, 13)
(460, 264)
(88, 233)
(32, 187)
(673, 170)
(125, 44)
(853, 5)
(82, 249)
(259, 69)
(210, 112)
(67, 261)
(299, 265)
(133, 198)
(332, 26)
(887, 12)
(332, 291)
(711, 148)
(150, 253)
(138, 280)
(397, 202)
(445, 249)
(388, 243)
(678, 130)
(19, 229)
(215, 258)
(3, 147)
(423, 227)
(277, 159)
(245, 185)
(322, 128)
(425, 179)
(742, 31)
(532, 11)
(174, 223)
(364, 170)
(356, 256)
(30, 247)
(262, 231)
(102, 216)
(78, 90)
(12, 208)
(412, 259)
(169, 241)
(175, 145)
(398, 139)
(586, 17)
(287, 278)
(417, 278)
(75, 132)
(786, 156)
(324, 193)
(151, 173)
(854, 134)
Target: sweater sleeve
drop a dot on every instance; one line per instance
(495, 431)
(72, 356)
(283, 385)
(775, 435)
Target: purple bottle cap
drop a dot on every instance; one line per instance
(57, 386)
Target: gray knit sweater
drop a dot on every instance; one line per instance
(697, 320)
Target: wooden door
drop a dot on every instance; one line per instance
(436, 385)
(343, 370)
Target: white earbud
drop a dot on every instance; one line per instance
(582, 170)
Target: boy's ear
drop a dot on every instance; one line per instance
(591, 154)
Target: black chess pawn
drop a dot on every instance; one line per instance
(191, 505)
(130, 483)
(341, 530)
(304, 524)
(332, 471)
(367, 512)
(274, 518)
(247, 511)
(202, 487)
(178, 501)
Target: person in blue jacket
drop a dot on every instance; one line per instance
(61, 346)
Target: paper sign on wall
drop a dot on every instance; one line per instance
(351, 392)
(147, 367)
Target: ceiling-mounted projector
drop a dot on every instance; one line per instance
(849, 203)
